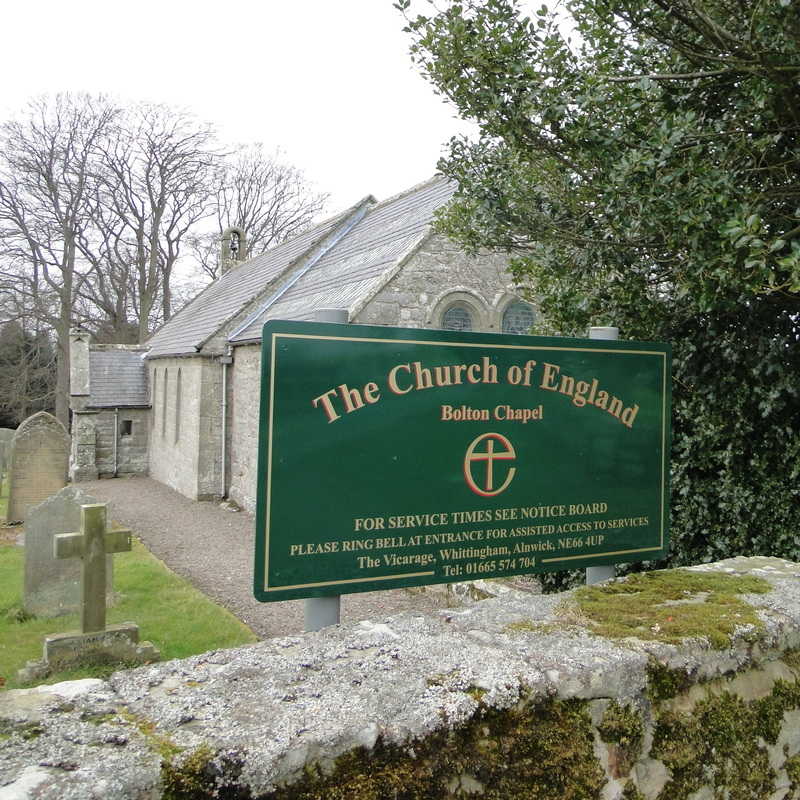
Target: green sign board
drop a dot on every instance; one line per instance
(393, 457)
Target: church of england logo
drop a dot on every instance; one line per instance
(490, 455)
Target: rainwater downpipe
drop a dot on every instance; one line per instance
(225, 361)
(116, 438)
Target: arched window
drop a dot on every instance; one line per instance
(164, 405)
(178, 407)
(518, 318)
(457, 318)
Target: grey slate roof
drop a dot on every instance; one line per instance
(117, 378)
(231, 292)
(352, 267)
(356, 265)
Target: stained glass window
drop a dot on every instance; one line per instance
(457, 318)
(518, 318)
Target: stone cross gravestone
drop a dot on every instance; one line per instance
(52, 585)
(91, 545)
(39, 461)
(95, 643)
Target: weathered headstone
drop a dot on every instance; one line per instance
(52, 585)
(94, 643)
(39, 461)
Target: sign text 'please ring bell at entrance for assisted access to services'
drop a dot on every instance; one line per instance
(394, 457)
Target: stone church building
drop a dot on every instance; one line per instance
(185, 407)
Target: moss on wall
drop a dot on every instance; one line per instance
(664, 683)
(540, 751)
(671, 605)
(199, 774)
(721, 743)
(544, 749)
(792, 767)
(632, 793)
(623, 729)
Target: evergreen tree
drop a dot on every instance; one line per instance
(27, 364)
(643, 161)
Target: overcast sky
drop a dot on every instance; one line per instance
(328, 81)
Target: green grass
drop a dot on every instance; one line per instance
(170, 612)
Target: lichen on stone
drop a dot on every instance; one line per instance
(157, 742)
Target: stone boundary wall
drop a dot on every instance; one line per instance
(510, 697)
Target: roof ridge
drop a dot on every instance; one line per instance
(327, 221)
(97, 347)
(388, 234)
(395, 197)
(335, 235)
(314, 234)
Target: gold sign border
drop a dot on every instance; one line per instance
(273, 368)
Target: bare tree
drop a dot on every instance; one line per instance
(262, 195)
(99, 202)
(46, 180)
(159, 168)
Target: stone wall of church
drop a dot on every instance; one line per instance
(209, 422)
(131, 454)
(175, 425)
(185, 425)
(244, 398)
(437, 276)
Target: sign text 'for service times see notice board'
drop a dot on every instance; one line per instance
(394, 457)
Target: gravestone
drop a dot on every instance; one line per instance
(39, 461)
(94, 643)
(52, 585)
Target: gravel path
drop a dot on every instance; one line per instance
(213, 548)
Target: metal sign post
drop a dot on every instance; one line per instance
(607, 571)
(320, 612)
